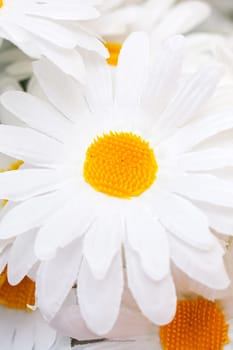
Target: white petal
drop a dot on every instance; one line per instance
(21, 257)
(220, 219)
(36, 113)
(132, 71)
(4, 258)
(99, 85)
(71, 221)
(102, 243)
(194, 133)
(148, 238)
(29, 214)
(192, 94)
(205, 188)
(68, 99)
(23, 184)
(67, 61)
(184, 220)
(163, 76)
(55, 278)
(30, 146)
(24, 331)
(44, 334)
(182, 18)
(156, 299)
(48, 30)
(205, 267)
(100, 299)
(213, 158)
(63, 11)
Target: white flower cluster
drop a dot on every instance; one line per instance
(116, 175)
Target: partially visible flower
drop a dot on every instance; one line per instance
(21, 324)
(160, 18)
(52, 29)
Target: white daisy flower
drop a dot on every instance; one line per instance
(133, 162)
(21, 324)
(160, 18)
(52, 29)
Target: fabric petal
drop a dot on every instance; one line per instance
(156, 299)
(192, 94)
(205, 188)
(205, 267)
(21, 257)
(163, 76)
(23, 184)
(100, 299)
(213, 158)
(98, 86)
(55, 278)
(69, 222)
(102, 243)
(29, 214)
(37, 114)
(132, 71)
(69, 99)
(194, 133)
(184, 220)
(148, 239)
(30, 146)
(182, 18)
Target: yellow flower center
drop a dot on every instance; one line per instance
(120, 164)
(19, 296)
(114, 51)
(1, 3)
(198, 325)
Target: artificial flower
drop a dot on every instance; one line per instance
(22, 327)
(132, 165)
(160, 18)
(52, 29)
(21, 323)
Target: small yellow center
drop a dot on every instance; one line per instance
(198, 325)
(1, 3)
(114, 51)
(19, 296)
(120, 164)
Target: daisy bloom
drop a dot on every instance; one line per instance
(52, 29)
(128, 164)
(21, 324)
(159, 18)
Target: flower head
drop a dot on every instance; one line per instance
(129, 165)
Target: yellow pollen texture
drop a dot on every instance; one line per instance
(1, 3)
(198, 325)
(19, 296)
(114, 51)
(120, 164)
